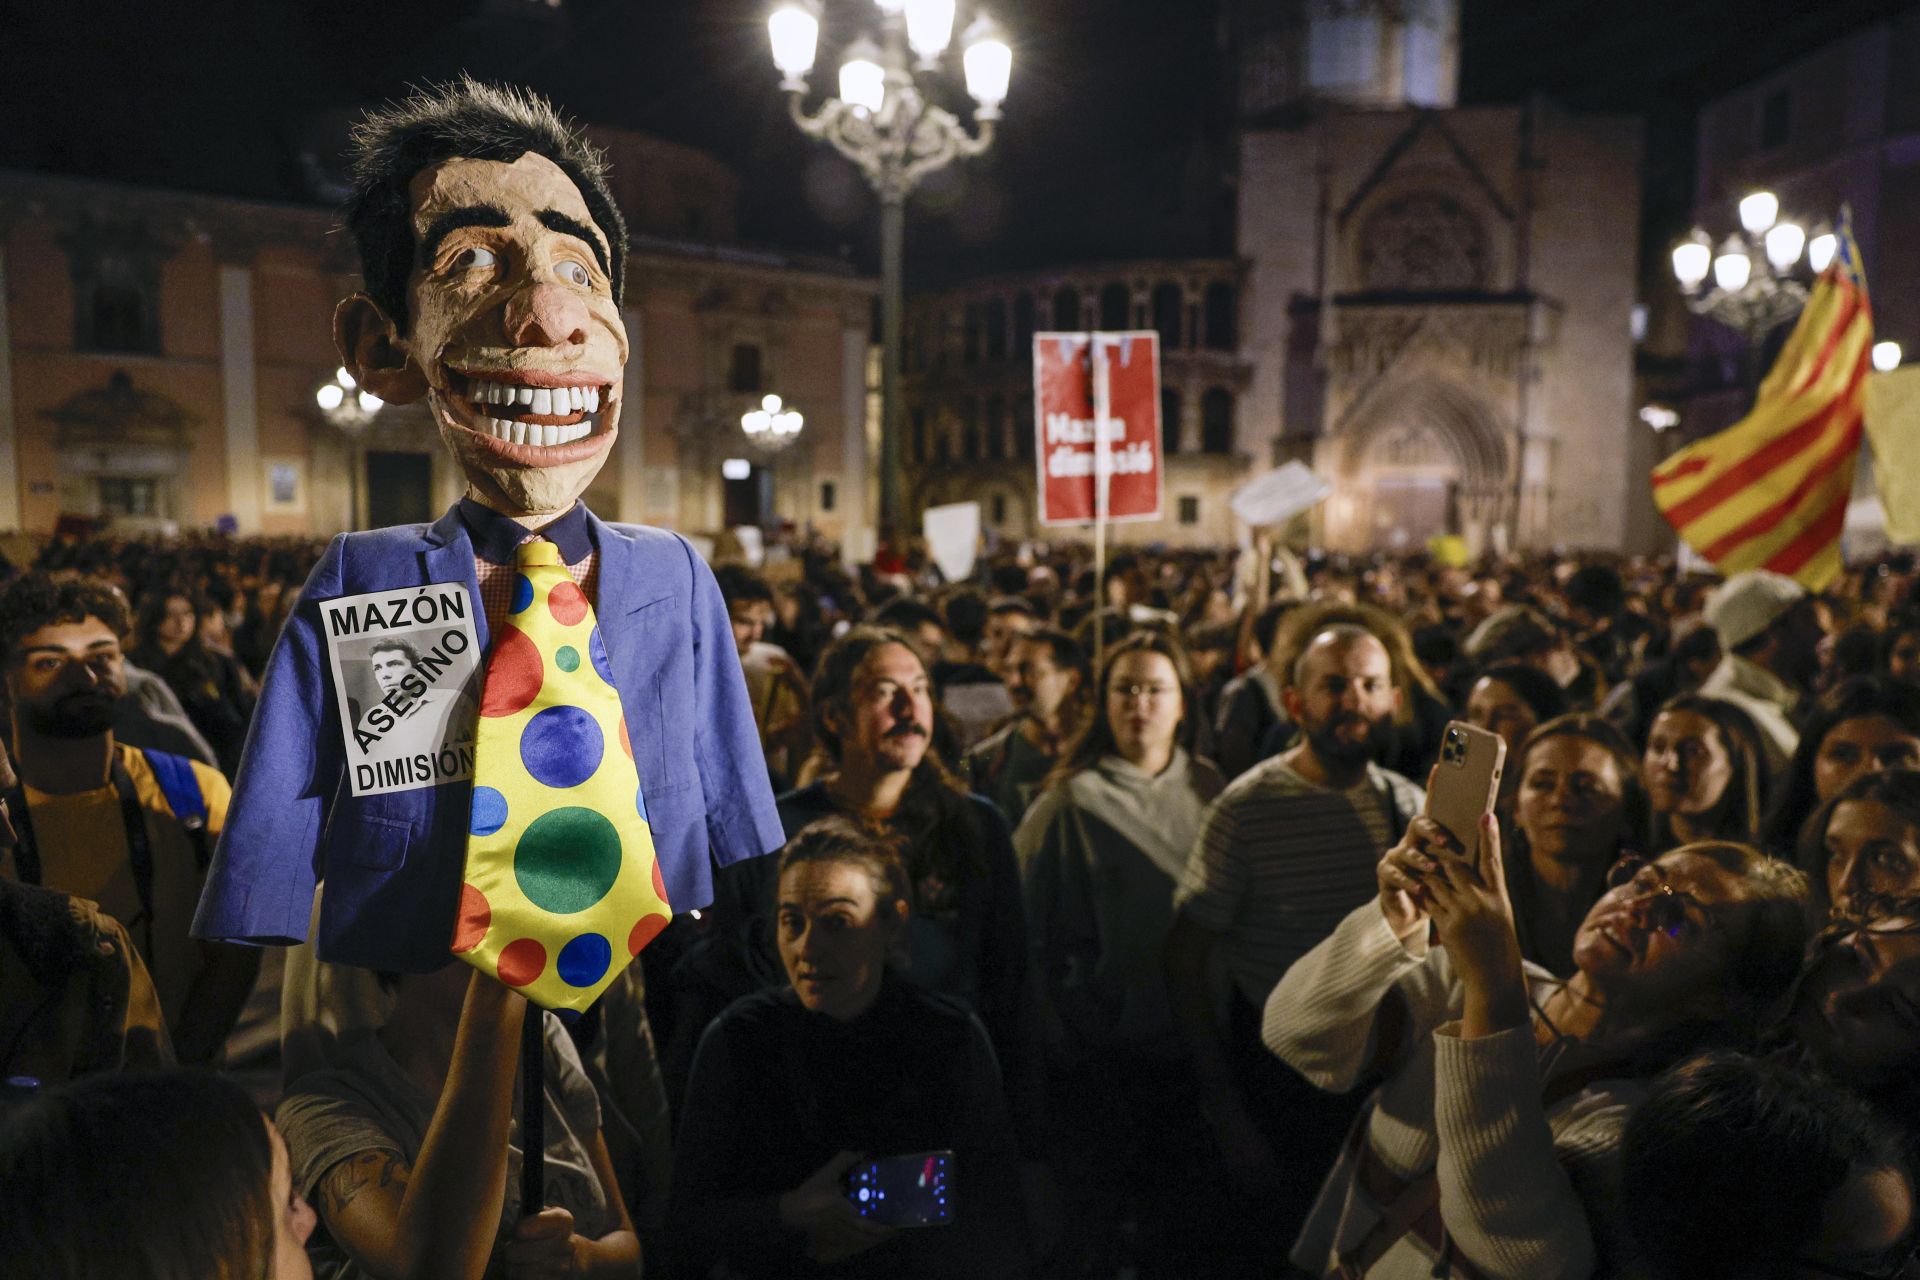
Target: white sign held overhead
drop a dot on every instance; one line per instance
(953, 537)
(1280, 494)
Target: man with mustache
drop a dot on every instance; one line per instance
(1284, 854)
(92, 816)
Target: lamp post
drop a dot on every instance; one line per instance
(349, 410)
(1752, 281)
(885, 124)
(769, 430)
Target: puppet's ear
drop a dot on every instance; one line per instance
(372, 352)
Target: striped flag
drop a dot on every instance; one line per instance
(1770, 491)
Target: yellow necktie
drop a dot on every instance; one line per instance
(562, 888)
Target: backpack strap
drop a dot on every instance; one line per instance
(182, 789)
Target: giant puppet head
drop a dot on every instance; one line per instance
(492, 255)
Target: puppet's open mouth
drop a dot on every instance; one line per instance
(529, 408)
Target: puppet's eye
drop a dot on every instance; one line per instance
(574, 273)
(475, 256)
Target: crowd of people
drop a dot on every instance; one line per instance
(1119, 888)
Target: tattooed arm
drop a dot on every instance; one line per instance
(439, 1216)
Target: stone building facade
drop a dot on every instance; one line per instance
(159, 353)
(1440, 299)
(969, 384)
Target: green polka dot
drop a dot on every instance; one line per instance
(567, 860)
(567, 659)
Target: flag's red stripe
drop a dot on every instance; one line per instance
(1779, 511)
(1762, 460)
(1818, 535)
(1682, 470)
(1852, 308)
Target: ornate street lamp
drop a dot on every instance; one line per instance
(886, 125)
(1753, 281)
(772, 426)
(350, 410)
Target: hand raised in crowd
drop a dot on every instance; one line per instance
(1403, 871)
(819, 1208)
(1466, 895)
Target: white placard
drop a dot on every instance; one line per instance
(406, 674)
(953, 537)
(1280, 494)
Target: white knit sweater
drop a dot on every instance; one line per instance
(1525, 1192)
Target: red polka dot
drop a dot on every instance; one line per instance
(514, 674)
(659, 885)
(475, 916)
(522, 962)
(567, 603)
(646, 930)
(626, 743)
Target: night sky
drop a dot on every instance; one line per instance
(1114, 142)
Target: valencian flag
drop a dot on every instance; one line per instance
(1770, 492)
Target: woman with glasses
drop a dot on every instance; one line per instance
(1101, 852)
(1738, 1168)
(1704, 771)
(1865, 840)
(1488, 1149)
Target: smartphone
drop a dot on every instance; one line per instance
(903, 1191)
(1466, 782)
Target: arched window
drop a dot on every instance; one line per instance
(996, 427)
(1023, 429)
(1169, 420)
(919, 435)
(970, 331)
(970, 430)
(1023, 327)
(1066, 309)
(1116, 307)
(1169, 300)
(996, 311)
(1223, 329)
(1216, 421)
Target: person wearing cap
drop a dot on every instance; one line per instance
(1770, 630)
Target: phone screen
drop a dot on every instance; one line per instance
(904, 1191)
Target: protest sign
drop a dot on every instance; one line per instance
(406, 676)
(1279, 494)
(1072, 372)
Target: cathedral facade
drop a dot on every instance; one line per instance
(1439, 304)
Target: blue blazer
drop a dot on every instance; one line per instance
(392, 863)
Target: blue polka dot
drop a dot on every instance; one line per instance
(640, 802)
(522, 593)
(584, 961)
(489, 811)
(562, 746)
(597, 652)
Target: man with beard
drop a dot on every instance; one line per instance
(1284, 854)
(1046, 674)
(101, 820)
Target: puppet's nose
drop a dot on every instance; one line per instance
(546, 315)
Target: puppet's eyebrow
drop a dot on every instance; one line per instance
(554, 220)
(467, 215)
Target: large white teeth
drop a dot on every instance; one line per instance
(519, 433)
(593, 400)
(542, 400)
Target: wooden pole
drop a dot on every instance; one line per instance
(1102, 477)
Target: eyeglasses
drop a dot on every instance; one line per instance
(1136, 692)
(1903, 1265)
(1674, 912)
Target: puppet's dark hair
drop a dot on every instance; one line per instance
(471, 120)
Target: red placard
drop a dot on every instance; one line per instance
(1065, 367)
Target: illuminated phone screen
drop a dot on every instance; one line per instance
(904, 1191)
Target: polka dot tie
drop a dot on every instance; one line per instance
(562, 888)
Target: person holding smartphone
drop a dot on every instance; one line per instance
(794, 1088)
(1493, 1138)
